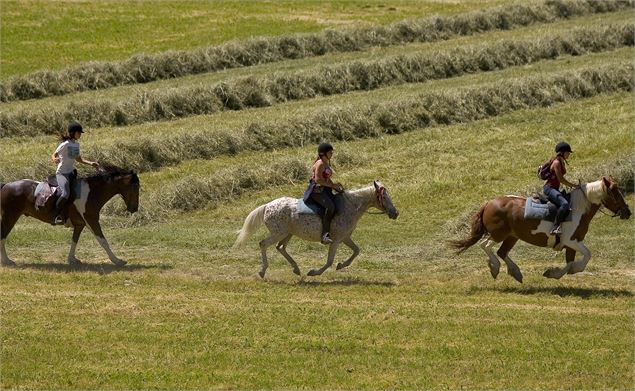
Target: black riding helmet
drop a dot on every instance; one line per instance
(563, 147)
(324, 148)
(74, 126)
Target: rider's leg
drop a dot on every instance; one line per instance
(324, 199)
(557, 199)
(63, 184)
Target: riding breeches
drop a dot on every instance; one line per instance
(556, 197)
(325, 199)
(64, 188)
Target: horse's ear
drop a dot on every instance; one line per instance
(376, 185)
(606, 181)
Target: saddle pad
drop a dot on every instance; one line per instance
(308, 208)
(44, 191)
(534, 209)
(311, 207)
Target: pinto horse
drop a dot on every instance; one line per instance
(282, 219)
(502, 220)
(17, 199)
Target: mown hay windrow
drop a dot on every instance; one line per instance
(356, 122)
(143, 68)
(328, 80)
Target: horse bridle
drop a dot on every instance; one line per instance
(619, 211)
(380, 195)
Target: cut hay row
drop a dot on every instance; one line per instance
(353, 76)
(195, 191)
(145, 68)
(348, 122)
(354, 122)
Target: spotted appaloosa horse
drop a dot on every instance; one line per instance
(17, 199)
(282, 219)
(502, 220)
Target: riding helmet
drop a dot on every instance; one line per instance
(324, 148)
(74, 126)
(562, 147)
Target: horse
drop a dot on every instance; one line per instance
(18, 198)
(282, 218)
(502, 220)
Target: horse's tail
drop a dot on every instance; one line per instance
(252, 222)
(478, 230)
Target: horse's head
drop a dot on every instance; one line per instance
(614, 200)
(127, 185)
(384, 202)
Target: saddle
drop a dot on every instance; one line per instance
(538, 207)
(48, 188)
(311, 207)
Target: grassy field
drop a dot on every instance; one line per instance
(190, 312)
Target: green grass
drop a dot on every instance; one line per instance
(190, 312)
(54, 35)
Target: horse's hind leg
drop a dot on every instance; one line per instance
(282, 248)
(264, 244)
(493, 263)
(7, 221)
(503, 252)
(349, 242)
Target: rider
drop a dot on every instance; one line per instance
(320, 186)
(65, 156)
(552, 184)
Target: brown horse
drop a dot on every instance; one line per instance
(502, 220)
(17, 199)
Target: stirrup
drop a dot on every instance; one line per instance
(326, 239)
(58, 220)
(556, 230)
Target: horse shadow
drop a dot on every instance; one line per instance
(584, 293)
(348, 281)
(101, 268)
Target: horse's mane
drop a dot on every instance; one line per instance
(109, 172)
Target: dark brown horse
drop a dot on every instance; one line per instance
(17, 199)
(502, 220)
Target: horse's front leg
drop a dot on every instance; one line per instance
(574, 266)
(329, 260)
(93, 223)
(72, 260)
(349, 242)
(7, 222)
(4, 258)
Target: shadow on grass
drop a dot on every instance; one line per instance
(561, 291)
(348, 281)
(102, 268)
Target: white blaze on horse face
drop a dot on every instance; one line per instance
(80, 203)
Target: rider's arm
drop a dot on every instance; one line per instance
(319, 179)
(557, 169)
(87, 162)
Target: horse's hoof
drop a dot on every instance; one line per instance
(75, 262)
(297, 271)
(552, 272)
(339, 266)
(313, 272)
(119, 262)
(518, 277)
(261, 274)
(494, 272)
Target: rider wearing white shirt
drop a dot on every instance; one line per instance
(65, 156)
